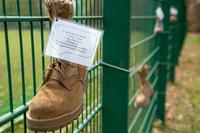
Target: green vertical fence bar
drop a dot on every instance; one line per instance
(22, 63)
(116, 52)
(8, 65)
(42, 36)
(183, 29)
(163, 41)
(177, 35)
(32, 48)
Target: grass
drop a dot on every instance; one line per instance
(183, 99)
(15, 59)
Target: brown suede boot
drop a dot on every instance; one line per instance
(60, 98)
(146, 90)
(60, 8)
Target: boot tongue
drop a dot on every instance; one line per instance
(71, 74)
(54, 74)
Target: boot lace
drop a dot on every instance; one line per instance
(58, 65)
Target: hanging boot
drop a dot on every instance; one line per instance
(60, 98)
(146, 90)
(60, 8)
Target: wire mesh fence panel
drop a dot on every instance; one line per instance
(143, 51)
(24, 33)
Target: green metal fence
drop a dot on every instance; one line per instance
(178, 32)
(129, 43)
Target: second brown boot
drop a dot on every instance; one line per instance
(145, 91)
(60, 99)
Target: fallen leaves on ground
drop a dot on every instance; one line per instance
(183, 97)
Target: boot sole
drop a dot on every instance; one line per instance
(53, 123)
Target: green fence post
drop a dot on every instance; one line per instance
(164, 64)
(116, 52)
(177, 35)
(174, 40)
(183, 25)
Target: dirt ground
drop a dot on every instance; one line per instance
(183, 97)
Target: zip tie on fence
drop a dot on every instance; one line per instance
(115, 67)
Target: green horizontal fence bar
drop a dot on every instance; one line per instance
(143, 41)
(151, 55)
(142, 17)
(12, 115)
(39, 18)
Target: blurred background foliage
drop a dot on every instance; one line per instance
(193, 15)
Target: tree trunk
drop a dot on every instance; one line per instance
(193, 15)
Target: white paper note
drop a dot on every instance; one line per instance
(159, 13)
(173, 11)
(73, 42)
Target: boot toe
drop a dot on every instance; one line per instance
(41, 109)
